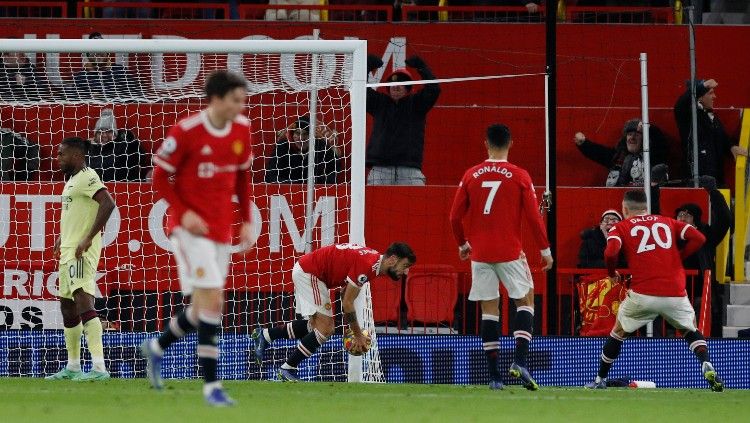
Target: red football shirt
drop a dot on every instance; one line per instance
(650, 246)
(205, 162)
(342, 264)
(495, 196)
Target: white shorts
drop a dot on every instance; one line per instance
(311, 295)
(485, 279)
(638, 309)
(201, 262)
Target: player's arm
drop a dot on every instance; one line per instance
(531, 209)
(351, 292)
(694, 238)
(244, 191)
(612, 252)
(106, 206)
(166, 162)
(458, 211)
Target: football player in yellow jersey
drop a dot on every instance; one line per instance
(86, 207)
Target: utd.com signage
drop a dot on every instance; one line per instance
(136, 250)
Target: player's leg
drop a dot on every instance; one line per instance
(322, 328)
(680, 314)
(296, 329)
(516, 277)
(92, 330)
(208, 303)
(182, 323)
(635, 312)
(263, 338)
(73, 329)
(485, 288)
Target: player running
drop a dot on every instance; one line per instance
(497, 196)
(209, 155)
(86, 207)
(347, 266)
(657, 287)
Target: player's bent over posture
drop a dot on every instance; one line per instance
(209, 156)
(86, 207)
(657, 287)
(345, 266)
(497, 196)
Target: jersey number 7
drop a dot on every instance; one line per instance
(493, 186)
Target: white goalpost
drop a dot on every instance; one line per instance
(138, 89)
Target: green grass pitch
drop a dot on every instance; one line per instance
(131, 401)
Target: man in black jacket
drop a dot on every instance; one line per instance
(594, 241)
(705, 258)
(19, 79)
(116, 154)
(625, 160)
(713, 142)
(288, 165)
(396, 147)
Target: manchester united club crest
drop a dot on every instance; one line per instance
(237, 147)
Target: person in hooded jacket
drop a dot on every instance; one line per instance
(705, 258)
(594, 242)
(396, 148)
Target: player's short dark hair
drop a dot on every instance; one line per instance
(220, 82)
(498, 135)
(635, 196)
(77, 142)
(402, 251)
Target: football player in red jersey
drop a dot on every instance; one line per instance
(657, 287)
(496, 196)
(209, 155)
(345, 266)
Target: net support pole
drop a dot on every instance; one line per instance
(357, 95)
(551, 177)
(646, 149)
(693, 100)
(310, 200)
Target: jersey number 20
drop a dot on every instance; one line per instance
(658, 231)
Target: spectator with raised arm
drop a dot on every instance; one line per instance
(103, 79)
(714, 143)
(396, 147)
(625, 159)
(289, 162)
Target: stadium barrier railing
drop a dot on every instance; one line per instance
(187, 10)
(568, 299)
(306, 12)
(37, 9)
(571, 14)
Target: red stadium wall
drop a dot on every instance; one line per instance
(598, 82)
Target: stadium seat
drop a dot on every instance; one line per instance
(431, 293)
(386, 300)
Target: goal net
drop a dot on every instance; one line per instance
(306, 99)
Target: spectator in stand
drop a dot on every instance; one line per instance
(396, 147)
(19, 158)
(625, 160)
(103, 79)
(19, 80)
(288, 165)
(276, 14)
(115, 154)
(713, 142)
(594, 241)
(715, 231)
